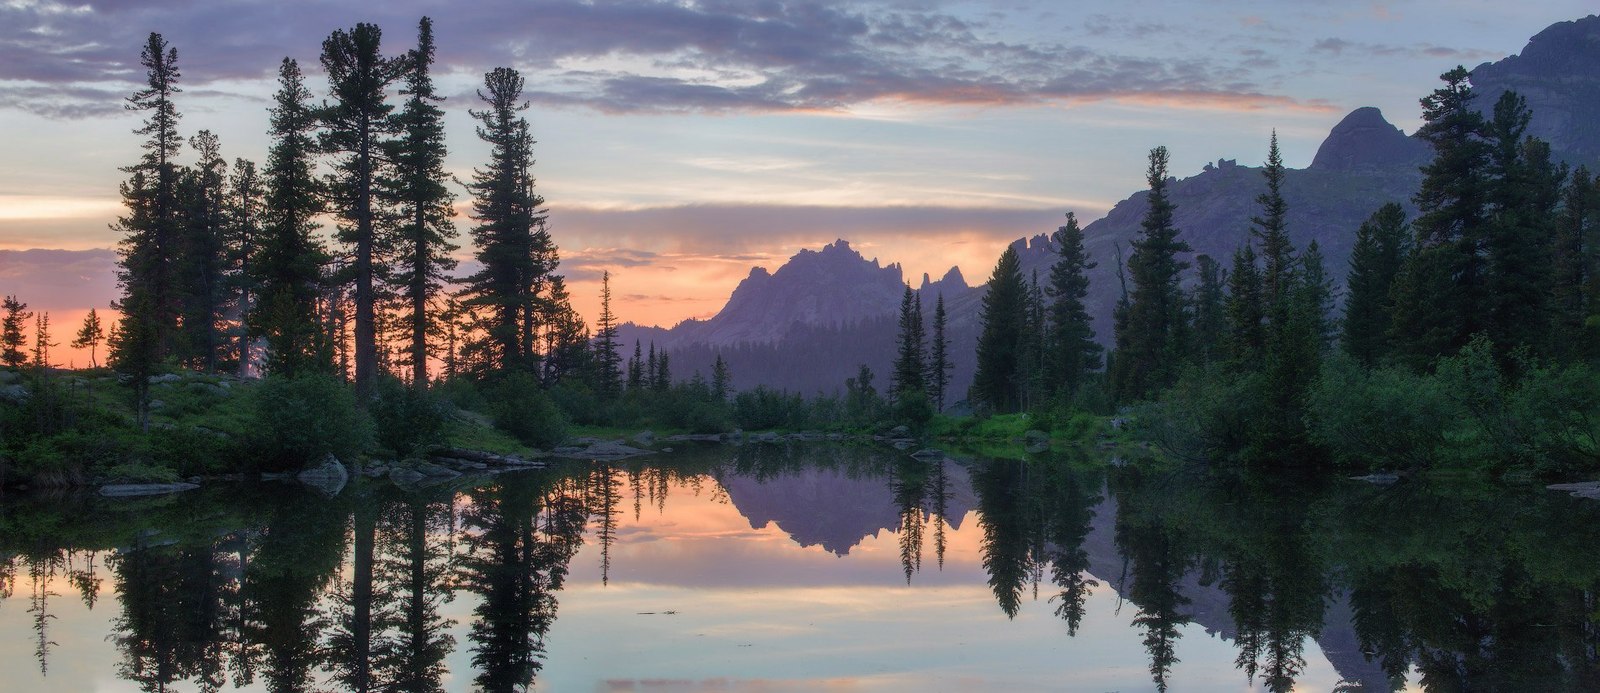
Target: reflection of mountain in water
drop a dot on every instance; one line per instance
(828, 507)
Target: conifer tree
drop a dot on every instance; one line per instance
(721, 379)
(1247, 335)
(512, 244)
(89, 336)
(1441, 291)
(245, 201)
(1277, 252)
(607, 360)
(288, 268)
(939, 364)
(1073, 351)
(202, 192)
(907, 378)
(566, 337)
(149, 249)
(425, 203)
(636, 368)
(1036, 351)
(1573, 276)
(1152, 345)
(41, 341)
(355, 128)
(663, 379)
(11, 337)
(1382, 244)
(1210, 312)
(999, 379)
(1525, 190)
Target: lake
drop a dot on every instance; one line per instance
(807, 567)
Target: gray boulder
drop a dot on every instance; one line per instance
(328, 476)
(15, 394)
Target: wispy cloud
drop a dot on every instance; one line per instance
(707, 56)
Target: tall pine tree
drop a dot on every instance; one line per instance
(939, 364)
(607, 357)
(1151, 347)
(288, 269)
(1000, 377)
(1525, 190)
(1073, 352)
(151, 241)
(356, 128)
(424, 201)
(1247, 330)
(907, 379)
(1382, 244)
(202, 258)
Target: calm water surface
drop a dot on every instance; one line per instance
(776, 568)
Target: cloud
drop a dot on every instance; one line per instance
(621, 56)
(1338, 46)
(59, 280)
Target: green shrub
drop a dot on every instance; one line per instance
(301, 419)
(520, 407)
(405, 419)
(1382, 418)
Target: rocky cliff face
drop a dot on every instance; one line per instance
(1558, 72)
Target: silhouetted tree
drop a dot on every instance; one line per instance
(1382, 244)
(1073, 351)
(1151, 347)
(999, 380)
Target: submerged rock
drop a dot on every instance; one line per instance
(128, 490)
(1379, 478)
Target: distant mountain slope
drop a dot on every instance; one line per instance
(1558, 72)
(845, 303)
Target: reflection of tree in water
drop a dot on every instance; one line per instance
(40, 570)
(908, 479)
(175, 603)
(413, 575)
(520, 533)
(941, 504)
(286, 567)
(1036, 516)
(1071, 498)
(1155, 551)
(352, 639)
(1007, 529)
(1276, 586)
(603, 493)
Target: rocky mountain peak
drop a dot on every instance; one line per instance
(1558, 73)
(1365, 140)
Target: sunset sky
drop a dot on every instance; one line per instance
(681, 143)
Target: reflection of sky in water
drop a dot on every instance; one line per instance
(755, 611)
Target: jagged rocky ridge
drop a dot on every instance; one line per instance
(807, 326)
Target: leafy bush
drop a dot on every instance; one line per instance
(520, 407)
(405, 419)
(1386, 417)
(301, 419)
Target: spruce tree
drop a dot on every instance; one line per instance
(151, 240)
(513, 248)
(939, 365)
(907, 377)
(356, 126)
(288, 268)
(11, 337)
(607, 360)
(1073, 351)
(1382, 244)
(1441, 292)
(1525, 190)
(424, 201)
(1036, 350)
(1210, 313)
(636, 368)
(999, 379)
(1277, 252)
(202, 192)
(1247, 333)
(41, 341)
(244, 212)
(721, 379)
(89, 336)
(1151, 347)
(1573, 276)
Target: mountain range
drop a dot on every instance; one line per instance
(810, 324)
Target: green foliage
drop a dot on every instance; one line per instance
(1072, 352)
(406, 419)
(762, 408)
(999, 380)
(1386, 417)
(300, 419)
(1153, 336)
(1380, 251)
(520, 407)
